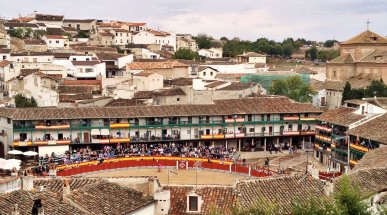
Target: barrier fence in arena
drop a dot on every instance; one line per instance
(160, 162)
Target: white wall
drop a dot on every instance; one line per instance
(234, 68)
(146, 37)
(207, 74)
(149, 210)
(43, 150)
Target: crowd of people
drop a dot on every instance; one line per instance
(130, 150)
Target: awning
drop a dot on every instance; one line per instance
(105, 132)
(95, 132)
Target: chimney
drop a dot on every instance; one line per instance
(66, 189)
(328, 188)
(163, 199)
(15, 210)
(27, 183)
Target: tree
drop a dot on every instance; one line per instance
(21, 101)
(293, 87)
(312, 53)
(330, 43)
(38, 34)
(287, 50)
(19, 33)
(186, 54)
(349, 199)
(68, 35)
(204, 41)
(346, 92)
(82, 34)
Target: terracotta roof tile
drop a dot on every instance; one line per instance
(109, 56)
(56, 184)
(74, 89)
(237, 86)
(370, 180)
(366, 37)
(374, 129)
(82, 82)
(34, 42)
(259, 105)
(214, 198)
(46, 17)
(179, 82)
(373, 159)
(282, 192)
(109, 198)
(50, 202)
(4, 63)
(155, 65)
(79, 20)
(25, 72)
(341, 116)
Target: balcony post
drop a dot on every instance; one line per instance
(239, 145)
(264, 144)
(226, 144)
(291, 142)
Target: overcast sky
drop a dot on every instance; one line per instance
(247, 19)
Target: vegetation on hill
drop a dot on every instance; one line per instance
(27, 33)
(236, 46)
(376, 88)
(22, 102)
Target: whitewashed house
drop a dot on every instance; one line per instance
(211, 53)
(56, 41)
(42, 87)
(155, 37)
(252, 57)
(207, 73)
(88, 70)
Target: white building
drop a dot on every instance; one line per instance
(42, 87)
(121, 37)
(252, 57)
(89, 69)
(115, 63)
(155, 37)
(207, 73)
(148, 81)
(81, 24)
(185, 41)
(50, 21)
(211, 53)
(233, 68)
(56, 41)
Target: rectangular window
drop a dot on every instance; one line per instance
(178, 99)
(251, 130)
(188, 131)
(204, 73)
(193, 203)
(60, 136)
(290, 127)
(9, 120)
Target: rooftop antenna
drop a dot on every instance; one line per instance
(368, 24)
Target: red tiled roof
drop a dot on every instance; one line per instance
(259, 105)
(82, 82)
(282, 192)
(79, 20)
(155, 65)
(214, 198)
(340, 116)
(85, 63)
(374, 129)
(109, 198)
(34, 42)
(4, 63)
(54, 37)
(51, 202)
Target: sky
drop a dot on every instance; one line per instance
(318, 20)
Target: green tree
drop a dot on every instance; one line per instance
(82, 34)
(321, 206)
(186, 54)
(376, 88)
(349, 199)
(330, 43)
(312, 53)
(287, 50)
(346, 92)
(204, 41)
(38, 34)
(19, 33)
(68, 35)
(294, 88)
(21, 101)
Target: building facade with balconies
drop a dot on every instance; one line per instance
(245, 124)
(340, 133)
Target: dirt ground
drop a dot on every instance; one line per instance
(183, 177)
